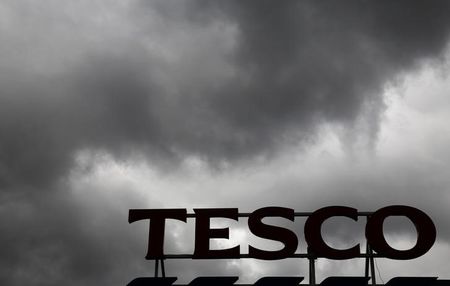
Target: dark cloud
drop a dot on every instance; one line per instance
(303, 63)
(294, 66)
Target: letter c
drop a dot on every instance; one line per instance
(313, 235)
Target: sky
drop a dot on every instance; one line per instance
(107, 106)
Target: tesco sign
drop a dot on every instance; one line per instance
(426, 232)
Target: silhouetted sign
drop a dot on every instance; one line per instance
(426, 232)
(316, 246)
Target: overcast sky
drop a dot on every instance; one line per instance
(111, 105)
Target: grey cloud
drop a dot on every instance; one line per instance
(50, 240)
(303, 63)
(294, 66)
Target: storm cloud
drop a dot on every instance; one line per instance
(214, 87)
(289, 68)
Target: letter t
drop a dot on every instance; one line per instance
(157, 219)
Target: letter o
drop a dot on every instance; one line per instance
(426, 232)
